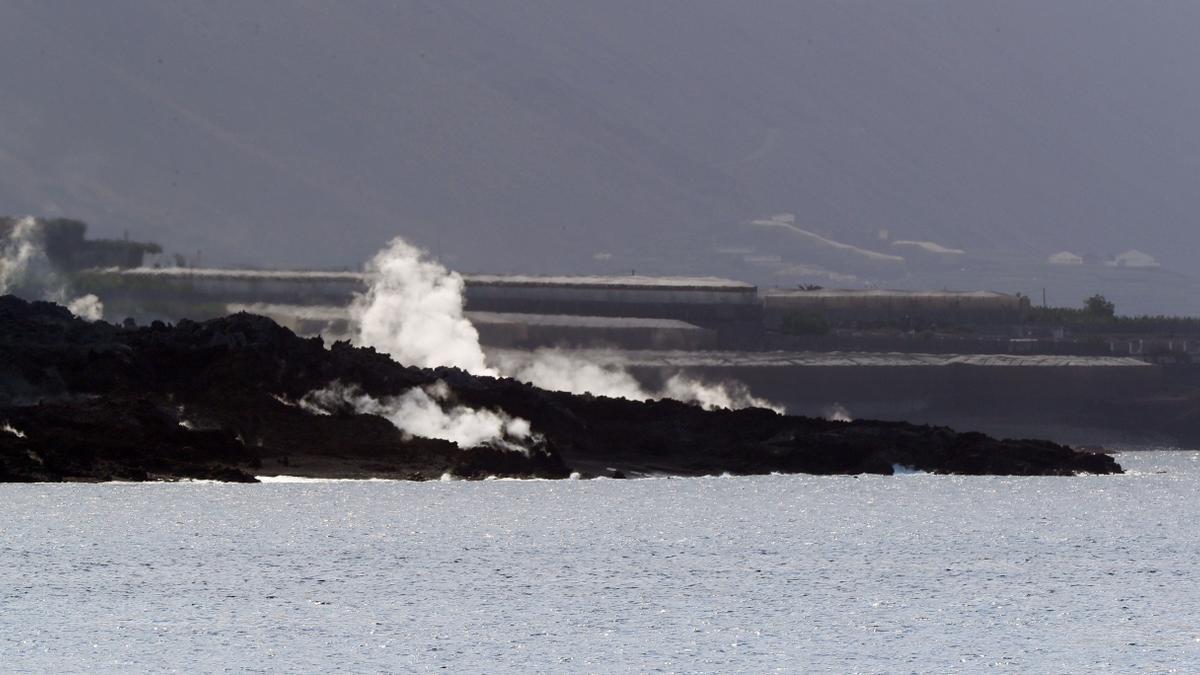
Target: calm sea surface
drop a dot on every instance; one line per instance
(783, 573)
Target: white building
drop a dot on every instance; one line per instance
(1134, 258)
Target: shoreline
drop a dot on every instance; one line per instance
(220, 400)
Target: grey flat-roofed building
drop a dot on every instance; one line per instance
(530, 331)
(841, 305)
(730, 310)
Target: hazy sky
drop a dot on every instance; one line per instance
(553, 136)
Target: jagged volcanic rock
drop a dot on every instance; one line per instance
(93, 401)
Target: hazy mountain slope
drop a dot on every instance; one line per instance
(535, 134)
(228, 126)
(1038, 124)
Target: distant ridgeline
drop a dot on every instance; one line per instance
(66, 246)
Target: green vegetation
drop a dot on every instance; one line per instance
(1100, 306)
(805, 323)
(1099, 315)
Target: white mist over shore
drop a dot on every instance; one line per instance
(838, 413)
(562, 370)
(25, 270)
(413, 311)
(425, 411)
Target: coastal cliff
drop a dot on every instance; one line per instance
(230, 398)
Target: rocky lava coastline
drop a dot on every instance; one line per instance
(217, 400)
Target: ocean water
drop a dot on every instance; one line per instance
(774, 573)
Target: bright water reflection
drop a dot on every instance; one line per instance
(752, 574)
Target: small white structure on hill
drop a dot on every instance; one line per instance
(1134, 258)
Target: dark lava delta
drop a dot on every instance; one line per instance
(86, 401)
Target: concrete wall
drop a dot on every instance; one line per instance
(731, 311)
(735, 318)
(523, 331)
(876, 306)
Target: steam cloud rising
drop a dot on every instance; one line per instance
(424, 411)
(26, 271)
(838, 413)
(413, 311)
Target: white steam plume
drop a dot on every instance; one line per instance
(413, 311)
(423, 411)
(87, 307)
(560, 370)
(732, 395)
(25, 270)
(838, 413)
(21, 253)
(605, 375)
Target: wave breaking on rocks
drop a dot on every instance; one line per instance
(95, 401)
